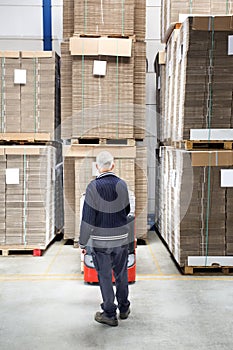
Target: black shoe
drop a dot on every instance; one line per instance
(124, 315)
(102, 318)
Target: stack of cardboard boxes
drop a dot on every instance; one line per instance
(198, 62)
(195, 214)
(103, 65)
(28, 93)
(29, 195)
(29, 118)
(195, 105)
(173, 11)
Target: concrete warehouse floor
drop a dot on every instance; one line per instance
(46, 305)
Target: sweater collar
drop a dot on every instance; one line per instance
(105, 174)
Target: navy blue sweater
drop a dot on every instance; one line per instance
(105, 210)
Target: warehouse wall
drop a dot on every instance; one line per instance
(153, 45)
(21, 24)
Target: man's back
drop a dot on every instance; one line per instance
(112, 201)
(104, 224)
(105, 211)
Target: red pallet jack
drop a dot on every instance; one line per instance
(89, 271)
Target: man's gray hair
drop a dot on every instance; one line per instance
(104, 160)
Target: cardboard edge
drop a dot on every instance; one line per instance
(81, 151)
(9, 54)
(86, 46)
(22, 150)
(37, 54)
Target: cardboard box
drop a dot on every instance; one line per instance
(100, 46)
(212, 158)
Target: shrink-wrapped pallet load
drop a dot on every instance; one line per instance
(195, 203)
(29, 201)
(29, 92)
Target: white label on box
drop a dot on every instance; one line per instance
(159, 83)
(226, 177)
(99, 68)
(20, 76)
(12, 176)
(230, 44)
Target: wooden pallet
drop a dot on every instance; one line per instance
(20, 250)
(169, 31)
(111, 36)
(214, 269)
(101, 141)
(22, 138)
(205, 144)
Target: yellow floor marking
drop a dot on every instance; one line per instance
(79, 277)
(163, 278)
(39, 279)
(40, 274)
(54, 258)
(154, 258)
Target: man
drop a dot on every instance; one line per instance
(104, 224)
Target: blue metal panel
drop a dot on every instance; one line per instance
(47, 25)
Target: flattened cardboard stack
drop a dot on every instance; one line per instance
(9, 93)
(110, 104)
(171, 10)
(66, 91)
(29, 182)
(30, 112)
(201, 70)
(139, 89)
(59, 199)
(141, 192)
(28, 94)
(104, 17)
(79, 170)
(198, 93)
(68, 19)
(194, 197)
(196, 219)
(2, 197)
(106, 102)
(103, 70)
(139, 19)
(160, 70)
(95, 17)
